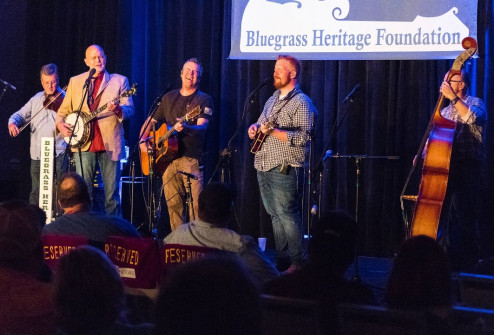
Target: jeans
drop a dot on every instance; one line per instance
(174, 189)
(60, 168)
(280, 195)
(110, 173)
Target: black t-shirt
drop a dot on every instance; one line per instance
(174, 105)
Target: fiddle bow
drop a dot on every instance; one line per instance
(54, 101)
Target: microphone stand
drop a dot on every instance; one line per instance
(327, 152)
(226, 153)
(3, 91)
(151, 205)
(69, 144)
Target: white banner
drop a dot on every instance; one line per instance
(46, 164)
(351, 29)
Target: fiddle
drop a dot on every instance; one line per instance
(53, 101)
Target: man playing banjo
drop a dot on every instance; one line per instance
(105, 143)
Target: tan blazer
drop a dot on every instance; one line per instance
(110, 125)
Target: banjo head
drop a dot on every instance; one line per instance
(80, 130)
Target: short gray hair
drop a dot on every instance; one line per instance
(48, 70)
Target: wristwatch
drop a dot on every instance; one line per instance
(454, 101)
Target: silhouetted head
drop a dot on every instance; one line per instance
(333, 241)
(20, 230)
(215, 204)
(420, 277)
(211, 295)
(89, 294)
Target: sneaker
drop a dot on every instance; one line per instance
(291, 269)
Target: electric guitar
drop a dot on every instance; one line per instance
(260, 137)
(165, 148)
(83, 130)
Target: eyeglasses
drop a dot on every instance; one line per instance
(456, 81)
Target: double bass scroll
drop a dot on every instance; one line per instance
(438, 144)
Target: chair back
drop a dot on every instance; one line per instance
(468, 320)
(375, 320)
(137, 260)
(289, 316)
(176, 254)
(55, 246)
(476, 290)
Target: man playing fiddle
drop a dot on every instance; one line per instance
(39, 112)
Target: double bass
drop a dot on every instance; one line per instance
(438, 144)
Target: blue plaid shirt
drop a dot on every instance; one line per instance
(296, 117)
(470, 131)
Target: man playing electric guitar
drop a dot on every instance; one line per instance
(174, 106)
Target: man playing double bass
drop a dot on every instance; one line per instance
(458, 227)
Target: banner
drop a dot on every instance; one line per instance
(351, 29)
(46, 163)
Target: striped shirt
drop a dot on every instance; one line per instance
(468, 142)
(294, 114)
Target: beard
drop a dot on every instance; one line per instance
(280, 83)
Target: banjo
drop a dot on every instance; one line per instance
(81, 132)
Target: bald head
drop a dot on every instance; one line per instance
(95, 58)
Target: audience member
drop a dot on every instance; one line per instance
(331, 251)
(420, 277)
(209, 230)
(210, 295)
(26, 297)
(78, 219)
(420, 280)
(89, 296)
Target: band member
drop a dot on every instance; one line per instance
(175, 105)
(106, 143)
(458, 227)
(287, 119)
(39, 112)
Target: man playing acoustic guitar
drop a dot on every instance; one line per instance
(178, 108)
(280, 160)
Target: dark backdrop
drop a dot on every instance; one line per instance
(148, 41)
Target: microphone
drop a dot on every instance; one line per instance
(145, 139)
(328, 154)
(190, 175)
(8, 84)
(91, 73)
(352, 93)
(263, 83)
(314, 210)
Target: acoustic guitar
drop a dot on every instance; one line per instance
(165, 148)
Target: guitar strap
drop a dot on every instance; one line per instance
(274, 116)
(192, 96)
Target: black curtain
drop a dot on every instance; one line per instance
(148, 41)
